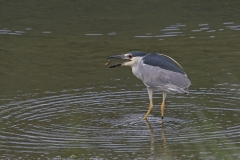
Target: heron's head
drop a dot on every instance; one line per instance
(133, 58)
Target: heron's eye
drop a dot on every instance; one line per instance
(130, 56)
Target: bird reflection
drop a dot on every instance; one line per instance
(152, 138)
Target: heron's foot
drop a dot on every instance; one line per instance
(162, 109)
(148, 112)
(145, 117)
(161, 121)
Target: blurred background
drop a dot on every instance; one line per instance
(58, 100)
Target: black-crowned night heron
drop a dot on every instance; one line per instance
(157, 72)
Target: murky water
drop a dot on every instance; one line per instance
(58, 100)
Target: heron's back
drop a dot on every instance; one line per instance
(157, 71)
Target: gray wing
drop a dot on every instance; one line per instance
(156, 71)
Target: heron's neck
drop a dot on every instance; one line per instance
(136, 72)
(136, 61)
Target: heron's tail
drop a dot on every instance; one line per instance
(175, 89)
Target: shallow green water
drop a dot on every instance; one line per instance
(58, 100)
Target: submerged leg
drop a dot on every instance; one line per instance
(150, 94)
(163, 103)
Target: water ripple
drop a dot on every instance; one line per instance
(113, 120)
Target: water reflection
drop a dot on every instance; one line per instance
(151, 136)
(152, 139)
(177, 29)
(91, 34)
(103, 120)
(46, 32)
(169, 31)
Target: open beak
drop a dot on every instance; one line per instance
(116, 57)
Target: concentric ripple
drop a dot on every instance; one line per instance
(202, 123)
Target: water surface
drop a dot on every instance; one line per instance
(58, 100)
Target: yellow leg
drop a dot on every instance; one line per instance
(162, 109)
(148, 112)
(150, 93)
(163, 103)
